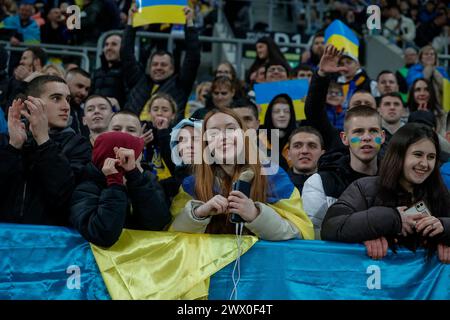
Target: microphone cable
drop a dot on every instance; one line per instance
(237, 263)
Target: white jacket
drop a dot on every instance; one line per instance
(316, 202)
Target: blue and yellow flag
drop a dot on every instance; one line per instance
(54, 263)
(295, 89)
(159, 11)
(341, 36)
(282, 196)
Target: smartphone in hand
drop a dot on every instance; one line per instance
(419, 207)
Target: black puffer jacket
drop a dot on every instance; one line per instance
(316, 112)
(178, 86)
(108, 81)
(336, 172)
(360, 214)
(100, 212)
(36, 182)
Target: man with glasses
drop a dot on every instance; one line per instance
(334, 102)
(277, 71)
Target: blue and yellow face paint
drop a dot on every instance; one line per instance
(378, 142)
(356, 142)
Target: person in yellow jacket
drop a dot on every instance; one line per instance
(205, 201)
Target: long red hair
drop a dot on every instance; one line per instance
(206, 176)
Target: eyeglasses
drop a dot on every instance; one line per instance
(334, 93)
(276, 69)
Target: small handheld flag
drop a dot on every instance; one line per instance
(341, 36)
(159, 11)
(295, 89)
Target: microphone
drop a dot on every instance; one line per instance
(243, 184)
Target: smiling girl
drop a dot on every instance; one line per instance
(372, 209)
(273, 210)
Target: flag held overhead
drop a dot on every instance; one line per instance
(159, 11)
(341, 36)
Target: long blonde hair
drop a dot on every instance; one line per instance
(206, 175)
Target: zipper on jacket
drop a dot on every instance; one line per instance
(23, 198)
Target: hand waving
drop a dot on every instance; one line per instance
(329, 61)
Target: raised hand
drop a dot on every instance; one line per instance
(189, 13)
(377, 248)
(37, 117)
(161, 123)
(329, 61)
(16, 128)
(126, 158)
(131, 12)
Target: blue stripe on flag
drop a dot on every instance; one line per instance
(340, 28)
(295, 89)
(149, 3)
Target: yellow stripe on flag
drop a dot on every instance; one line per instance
(299, 108)
(159, 14)
(341, 42)
(446, 95)
(165, 265)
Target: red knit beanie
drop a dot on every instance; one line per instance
(104, 148)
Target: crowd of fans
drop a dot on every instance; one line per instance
(125, 146)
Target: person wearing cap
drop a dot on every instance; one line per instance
(116, 193)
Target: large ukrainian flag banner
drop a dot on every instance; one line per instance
(159, 11)
(295, 89)
(341, 36)
(56, 263)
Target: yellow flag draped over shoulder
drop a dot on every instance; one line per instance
(159, 11)
(446, 94)
(165, 265)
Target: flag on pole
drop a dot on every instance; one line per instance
(159, 11)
